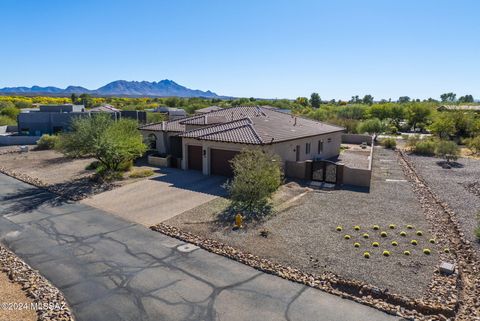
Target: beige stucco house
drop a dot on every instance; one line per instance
(209, 141)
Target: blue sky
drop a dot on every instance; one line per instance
(263, 48)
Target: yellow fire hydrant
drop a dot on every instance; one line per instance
(238, 220)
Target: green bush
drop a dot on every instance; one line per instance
(389, 142)
(141, 173)
(257, 175)
(7, 121)
(92, 166)
(447, 149)
(425, 147)
(47, 142)
(474, 145)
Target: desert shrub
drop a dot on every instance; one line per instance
(140, 173)
(427, 251)
(257, 175)
(414, 242)
(447, 149)
(339, 228)
(113, 143)
(402, 233)
(406, 253)
(383, 234)
(474, 145)
(356, 228)
(366, 255)
(375, 244)
(386, 253)
(47, 142)
(419, 233)
(347, 237)
(92, 166)
(7, 121)
(425, 147)
(389, 142)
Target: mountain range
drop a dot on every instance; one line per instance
(163, 88)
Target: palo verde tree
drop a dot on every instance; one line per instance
(257, 175)
(112, 143)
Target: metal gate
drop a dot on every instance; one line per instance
(325, 171)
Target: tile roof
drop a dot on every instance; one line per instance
(238, 131)
(257, 125)
(246, 125)
(207, 109)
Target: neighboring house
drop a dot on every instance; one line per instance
(48, 119)
(172, 113)
(52, 119)
(207, 110)
(105, 108)
(458, 108)
(208, 142)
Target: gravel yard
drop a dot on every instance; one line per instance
(458, 186)
(304, 234)
(355, 156)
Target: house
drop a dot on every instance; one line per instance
(48, 119)
(459, 108)
(208, 142)
(52, 119)
(205, 110)
(105, 109)
(172, 113)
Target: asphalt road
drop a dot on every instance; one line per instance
(112, 269)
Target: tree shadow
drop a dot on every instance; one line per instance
(30, 199)
(447, 165)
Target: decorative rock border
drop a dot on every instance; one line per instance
(447, 227)
(49, 301)
(411, 309)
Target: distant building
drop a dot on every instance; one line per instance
(52, 119)
(49, 119)
(171, 113)
(207, 110)
(459, 107)
(105, 109)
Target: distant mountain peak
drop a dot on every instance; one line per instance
(162, 88)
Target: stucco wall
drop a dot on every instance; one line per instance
(286, 150)
(357, 176)
(356, 139)
(163, 139)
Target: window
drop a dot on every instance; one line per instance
(329, 140)
(320, 146)
(307, 148)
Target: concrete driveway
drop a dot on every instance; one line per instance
(113, 270)
(161, 197)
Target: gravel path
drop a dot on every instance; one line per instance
(456, 186)
(304, 235)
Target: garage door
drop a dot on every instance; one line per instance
(195, 157)
(220, 162)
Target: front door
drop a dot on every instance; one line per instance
(297, 155)
(195, 158)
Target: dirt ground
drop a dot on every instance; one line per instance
(47, 165)
(304, 235)
(11, 293)
(67, 175)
